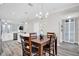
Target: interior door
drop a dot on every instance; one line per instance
(69, 30)
(72, 30)
(66, 30)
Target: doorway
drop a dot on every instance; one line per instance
(69, 30)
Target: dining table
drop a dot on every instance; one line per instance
(41, 43)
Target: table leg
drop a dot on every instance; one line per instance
(56, 47)
(41, 50)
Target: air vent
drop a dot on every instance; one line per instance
(30, 4)
(67, 20)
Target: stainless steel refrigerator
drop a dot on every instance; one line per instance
(0, 37)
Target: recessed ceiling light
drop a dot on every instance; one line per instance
(47, 13)
(36, 15)
(5, 23)
(69, 16)
(25, 22)
(40, 13)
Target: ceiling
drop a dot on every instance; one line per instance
(21, 12)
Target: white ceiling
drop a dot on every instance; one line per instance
(21, 12)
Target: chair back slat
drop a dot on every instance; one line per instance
(33, 35)
(49, 34)
(26, 45)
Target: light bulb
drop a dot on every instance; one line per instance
(69, 17)
(47, 13)
(8, 26)
(25, 22)
(40, 13)
(5, 23)
(45, 16)
(36, 15)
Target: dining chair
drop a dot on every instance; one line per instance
(50, 48)
(49, 34)
(23, 45)
(33, 35)
(34, 45)
(27, 48)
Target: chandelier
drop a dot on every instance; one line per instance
(42, 14)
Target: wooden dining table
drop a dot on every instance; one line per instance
(41, 43)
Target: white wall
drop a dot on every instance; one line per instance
(36, 27)
(30, 27)
(25, 27)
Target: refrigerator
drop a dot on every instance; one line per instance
(0, 37)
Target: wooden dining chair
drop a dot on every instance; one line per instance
(50, 48)
(27, 46)
(33, 35)
(49, 34)
(34, 45)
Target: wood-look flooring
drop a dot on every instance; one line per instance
(13, 48)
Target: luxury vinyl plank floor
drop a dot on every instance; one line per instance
(67, 49)
(13, 48)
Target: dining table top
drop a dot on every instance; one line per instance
(40, 41)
